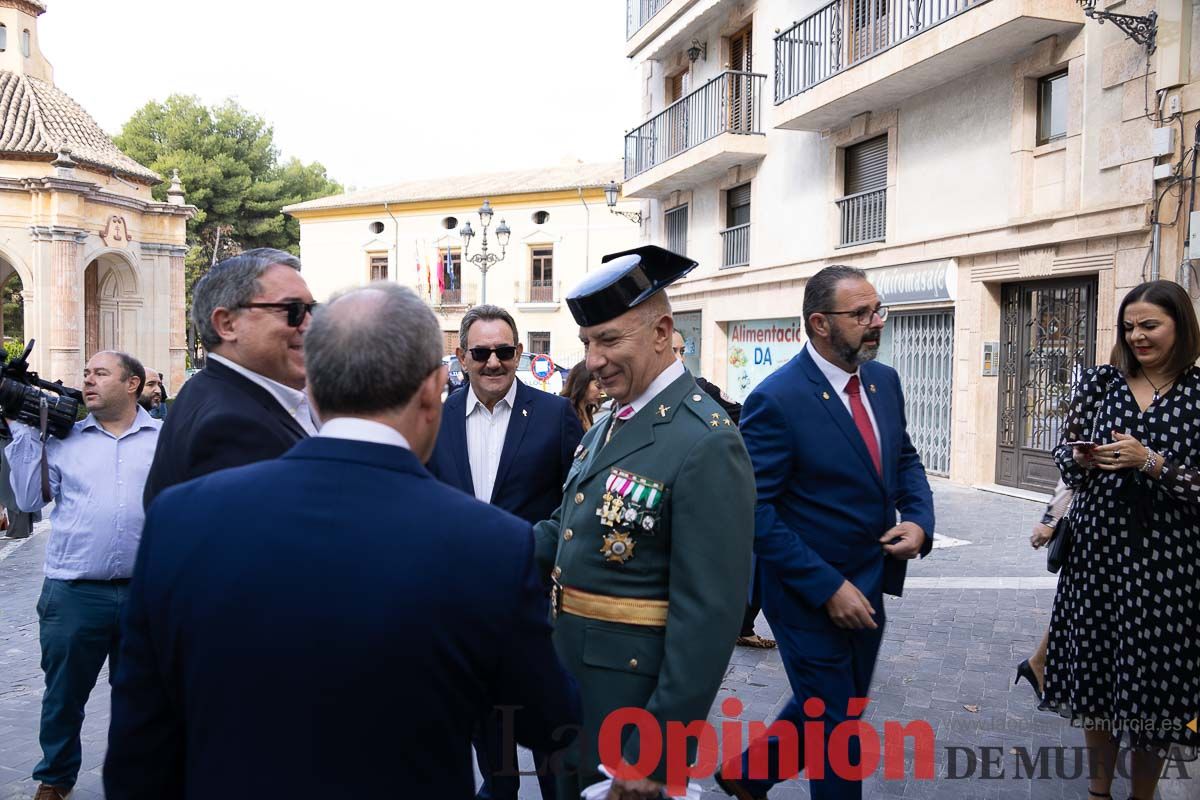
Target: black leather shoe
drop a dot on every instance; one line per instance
(1025, 671)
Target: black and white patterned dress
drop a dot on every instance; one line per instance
(1125, 632)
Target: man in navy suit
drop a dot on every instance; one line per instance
(363, 620)
(248, 403)
(833, 465)
(509, 445)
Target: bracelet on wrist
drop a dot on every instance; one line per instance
(1151, 462)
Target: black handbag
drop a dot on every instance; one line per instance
(1060, 545)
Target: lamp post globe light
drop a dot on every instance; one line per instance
(484, 259)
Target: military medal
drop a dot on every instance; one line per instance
(618, 547)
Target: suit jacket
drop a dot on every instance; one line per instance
(822, 506)
(543, 432)
(220, 419)
(327, 646)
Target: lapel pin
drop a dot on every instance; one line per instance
(525, 411)
(662, 410)
(824, 395)
(872, 388)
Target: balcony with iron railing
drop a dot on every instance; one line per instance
(537, 294)
(735, 246)
(864, 218)
(854, 56)
(651, 25)
(698, 137)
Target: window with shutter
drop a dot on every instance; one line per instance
(676, 220)
(741, 116)
(864, 208)
(737, 206)
(866, 166)
(541, 278)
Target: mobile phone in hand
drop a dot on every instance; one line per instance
(1083, 445)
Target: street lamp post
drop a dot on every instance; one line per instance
(483, 259)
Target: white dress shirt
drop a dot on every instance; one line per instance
(293, 401)
(838, 378)
(96, 480)
(363, 430)
(485, 439)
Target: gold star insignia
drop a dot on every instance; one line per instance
(715, 424)
(715, 415)
(727, 422)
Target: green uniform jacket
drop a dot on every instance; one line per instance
(689, 512)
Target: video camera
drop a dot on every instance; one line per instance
(23, 395)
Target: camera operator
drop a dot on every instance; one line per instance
(95, 477)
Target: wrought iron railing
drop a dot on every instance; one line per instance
(864, 217)
(729, 103)
(451, 297)
(735, 246)
(843, 33)
(639, 12)
(541, 291)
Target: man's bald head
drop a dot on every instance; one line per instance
(369, 349)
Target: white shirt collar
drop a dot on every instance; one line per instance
(363, 430)
(837, 377)
(664, 379)
(510, 397)
(294, 401)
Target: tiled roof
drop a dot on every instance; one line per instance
(39, 119)
(546, 179)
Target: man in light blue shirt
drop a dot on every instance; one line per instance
(97, 475)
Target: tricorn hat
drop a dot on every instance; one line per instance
(626, 280)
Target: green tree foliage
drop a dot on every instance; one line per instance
(13, 309)
(230, 170)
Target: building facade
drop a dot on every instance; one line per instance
(994, 165)
(97, 262)
(410, 233)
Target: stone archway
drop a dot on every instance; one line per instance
(12, 303)
(110, 303)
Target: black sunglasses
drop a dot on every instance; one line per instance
(505, 352)
(297, 310)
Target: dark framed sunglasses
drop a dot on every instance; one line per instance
(297, 310)
(505, 352)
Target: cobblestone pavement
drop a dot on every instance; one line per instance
(948, 658)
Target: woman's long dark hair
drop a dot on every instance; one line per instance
(1173, 299)
(579, 380)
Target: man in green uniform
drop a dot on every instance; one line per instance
(649, 553)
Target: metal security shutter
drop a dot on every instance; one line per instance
(866, 166)
(923, 357)
(737, 202)
(676, 223)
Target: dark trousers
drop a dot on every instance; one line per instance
(834, 665)
(495, 755)
(79, 625)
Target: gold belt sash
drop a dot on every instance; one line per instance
(626, 610)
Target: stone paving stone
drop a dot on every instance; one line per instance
(943, 649)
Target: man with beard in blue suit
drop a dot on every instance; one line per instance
(833, 465)
(510, 445)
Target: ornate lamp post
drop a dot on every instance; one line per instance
(610, 199)
(483, 259)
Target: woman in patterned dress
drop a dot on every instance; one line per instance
(1124, 654)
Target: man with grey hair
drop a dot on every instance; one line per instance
(233, 666)
(510, 445)
(248, 403)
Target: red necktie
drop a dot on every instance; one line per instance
(863, 422)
